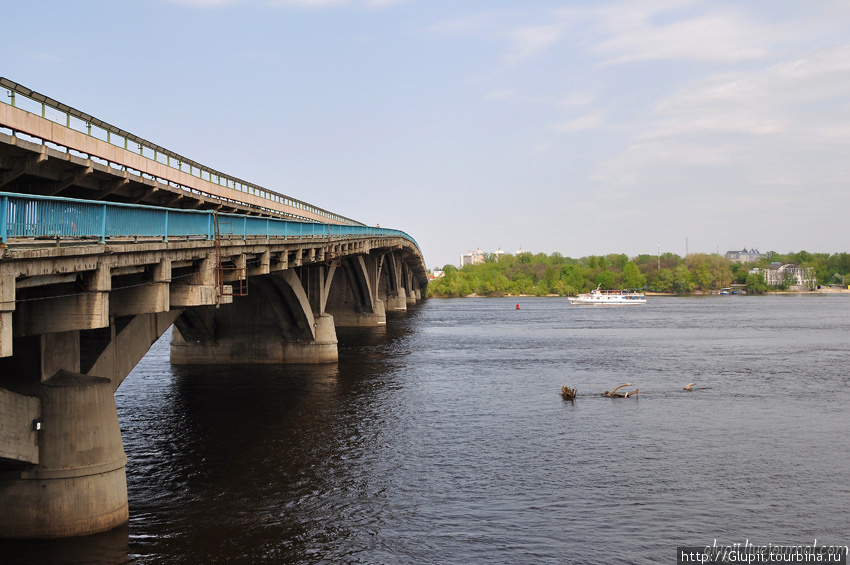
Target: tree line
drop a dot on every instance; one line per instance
(540, 274)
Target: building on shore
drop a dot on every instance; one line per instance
(790, 275)
(472, 258)
(744, 256)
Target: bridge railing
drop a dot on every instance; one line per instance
(50, 217)
(38, 104)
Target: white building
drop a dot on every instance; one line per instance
(472, 258)
(790, 275)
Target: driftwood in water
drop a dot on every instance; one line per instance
(568, 393)
(615, 394)
(689, 389)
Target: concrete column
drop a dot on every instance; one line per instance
(397, 303)
(7, 307)
(79, 486)
(365, 319)
(322, 349)
(408, 285)
(350, 296)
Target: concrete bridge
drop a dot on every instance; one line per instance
(106, 241)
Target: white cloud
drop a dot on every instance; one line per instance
(576, 99)
(308, 3)
(206, 3)
(528, 41)
(501, 95)
(471, 24)
(785, 127)
(582, 123)
(383, 3)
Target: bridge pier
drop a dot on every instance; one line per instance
(79, 485)
(352, 299)
(278, 321)
(62, 471)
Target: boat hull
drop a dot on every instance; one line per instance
(599, 297)
(604, 302)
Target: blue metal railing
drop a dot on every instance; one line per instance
(30, 216)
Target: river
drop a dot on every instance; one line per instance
(443, 438)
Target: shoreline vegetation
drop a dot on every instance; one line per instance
(555, 275)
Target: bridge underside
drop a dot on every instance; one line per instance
(74, 321)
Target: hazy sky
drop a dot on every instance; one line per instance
(580, 127)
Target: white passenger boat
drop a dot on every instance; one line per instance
(612, 297)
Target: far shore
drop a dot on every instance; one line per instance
(816, 291)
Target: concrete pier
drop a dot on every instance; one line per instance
(79, 484)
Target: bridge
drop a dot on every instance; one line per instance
(106, 241)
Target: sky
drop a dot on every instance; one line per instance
(578, 127)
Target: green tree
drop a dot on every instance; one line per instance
(683, 281)
(755, 284)
(664, 280)
(632, 277)
(605, 280)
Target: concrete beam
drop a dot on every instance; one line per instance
(73, 179)
(263, 266)
(82, 311)
(30, 164)
(197, 290)
(144, 299)
(114, 186)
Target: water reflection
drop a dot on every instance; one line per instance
(108, 548)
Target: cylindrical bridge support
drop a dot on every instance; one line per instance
(79, 485)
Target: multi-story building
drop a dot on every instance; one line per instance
(472, 258)
(790, 275)
(744, 256)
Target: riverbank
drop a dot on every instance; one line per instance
(649, 293)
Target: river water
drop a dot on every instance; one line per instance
(442, 438)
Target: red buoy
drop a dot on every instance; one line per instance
(517, 306)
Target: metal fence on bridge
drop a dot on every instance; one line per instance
(45, 217)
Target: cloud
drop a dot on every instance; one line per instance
(308, 3)
(786, 126)
(206, 3)
(303, 4)
(530, 40)
(582, 123)
(576, 99)
(383, 3)
(471, 24)
(501, 95)
(719, 36)
(790, 96)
